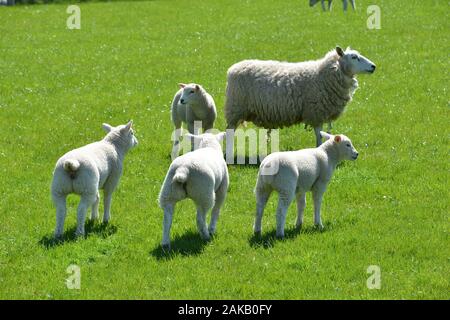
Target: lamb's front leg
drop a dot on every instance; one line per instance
(301, 204)
(94, 213)
(107, 204)
(317, 192)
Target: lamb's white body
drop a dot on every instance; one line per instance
(330, 4)
(294, 173)
(191, 104)
(201, 175)
(85, 170)
(274, 94)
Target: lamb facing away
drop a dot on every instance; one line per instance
(201, 175)
(86, 170)
(330, 3)
(294, 173)
(191, 103)
(274, 94)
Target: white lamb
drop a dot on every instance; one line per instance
(201, 175)
(330, 4)
(274, 94)
(294, 173)
(86, 170)
(191, 104)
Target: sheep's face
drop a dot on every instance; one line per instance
(190, 93)
(124, 132)
(354, 62)
(207, 140)
(345, 148)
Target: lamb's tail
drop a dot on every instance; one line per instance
(71, 165)
(181, 175)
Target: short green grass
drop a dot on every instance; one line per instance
(389, 208)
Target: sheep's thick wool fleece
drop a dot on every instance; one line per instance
(275, 94)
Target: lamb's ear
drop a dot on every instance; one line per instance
(220, 136)
(197, 87)
(339, 51)
(325, 135)
(181, 85)
(107, 127)
(337, 138)
(348, 48)
(128, 126)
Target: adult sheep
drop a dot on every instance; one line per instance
(274, 94)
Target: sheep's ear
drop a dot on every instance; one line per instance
(337, 139)
(197, 87)
(128, 126)
(339, 51)
(325, 135)
(220, 136)
(181, 85)
(107, 127)
(348, 48)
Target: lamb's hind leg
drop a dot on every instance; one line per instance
(60, 204)
(168, 215)
(284, 200)
(262, 196)
(94, 213)
(86, 201)
(301, 204)
(220, 198)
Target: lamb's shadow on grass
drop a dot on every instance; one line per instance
(267, 240)
(102, 229)
(188, 244)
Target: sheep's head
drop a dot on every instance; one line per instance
(123, 133)
(343, 145)
(190, 94)
(353, 62)
(207, 140)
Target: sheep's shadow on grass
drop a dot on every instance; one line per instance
(188, 244)
(267, 240)
(92, 227)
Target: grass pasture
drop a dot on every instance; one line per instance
(389, 208)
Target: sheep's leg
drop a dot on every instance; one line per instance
(330, 4)
(352, 2)
(60, 204)
(86, 201)
(94, 212)
(107, 205)
(176, 141)
(201, 222)
(262, 196)
(220, 198)
(318, 136)
(345, 5)
(323, 5)
(330, 126)
(318, 191)
(301, 204)
(284, 200)
(167, 223)
(229, 150)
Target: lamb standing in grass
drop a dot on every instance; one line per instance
(330, 4)
(294, 173)
(274, 94)
(191, 103)
(86, 170)
(201, 175)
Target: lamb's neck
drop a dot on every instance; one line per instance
(332, 153)
(118, 143)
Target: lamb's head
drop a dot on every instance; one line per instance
(353, 62)
(123, 135)
(342, 144)
(191, 94)
(207, 140)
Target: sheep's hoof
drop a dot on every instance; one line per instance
(258, 234)
(319, 227)
(280, 236)
(298, 227)
(165, 247)
(58, 237)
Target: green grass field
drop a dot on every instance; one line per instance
(389, 208)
